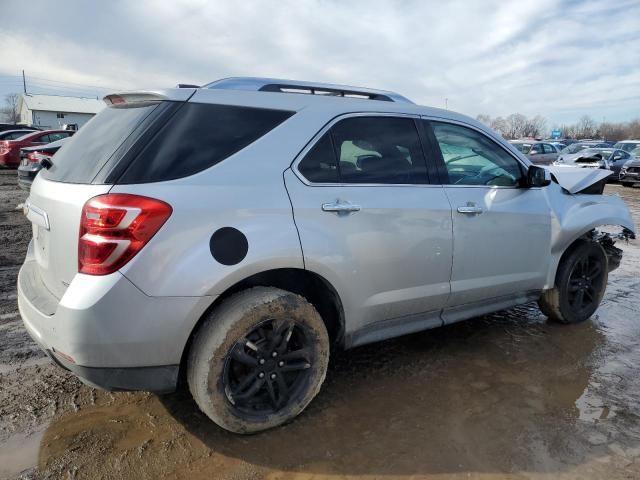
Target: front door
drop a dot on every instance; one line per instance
(501, 229)
(372, 225)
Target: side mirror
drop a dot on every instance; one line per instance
(533, 152)
(538, 176)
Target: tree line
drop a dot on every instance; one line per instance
(517, 125)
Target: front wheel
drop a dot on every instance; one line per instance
(258, 360)
(580, 284)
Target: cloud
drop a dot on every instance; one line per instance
(557, 58)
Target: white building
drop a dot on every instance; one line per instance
(53, 111)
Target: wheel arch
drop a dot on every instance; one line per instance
(310, 285)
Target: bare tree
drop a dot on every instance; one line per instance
(586, 127)
(515, 123)
(486, 119)
(10, 109)
(499, 124)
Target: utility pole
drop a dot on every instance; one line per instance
(24, 83)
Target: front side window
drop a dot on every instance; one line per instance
(381, 150)
(471, 158)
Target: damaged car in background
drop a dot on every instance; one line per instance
(236, 234)
(609, 158)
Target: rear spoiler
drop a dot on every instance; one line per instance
(149, 96)
(128, 98)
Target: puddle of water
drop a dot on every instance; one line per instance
(19, 453)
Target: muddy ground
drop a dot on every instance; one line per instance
(508, 395)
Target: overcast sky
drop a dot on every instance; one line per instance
(559, 59)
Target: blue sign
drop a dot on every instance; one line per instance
(555, 133)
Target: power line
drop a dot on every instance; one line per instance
(50, 80)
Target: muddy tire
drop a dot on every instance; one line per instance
(258, 360)
(580, 284)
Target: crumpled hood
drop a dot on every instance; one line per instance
(576, 179)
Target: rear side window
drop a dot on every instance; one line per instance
(84, 155)
(381, 150)
(199, 136)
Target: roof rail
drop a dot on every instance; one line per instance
(294, 86)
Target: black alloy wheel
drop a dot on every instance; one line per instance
(267, 369)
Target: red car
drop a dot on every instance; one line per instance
(10, 149)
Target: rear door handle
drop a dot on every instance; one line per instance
(470, 210)
(340, 207)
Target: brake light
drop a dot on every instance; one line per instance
(114, 228)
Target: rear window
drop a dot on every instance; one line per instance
(199, 136)
(84, 155)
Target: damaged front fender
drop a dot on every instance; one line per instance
(597, 217)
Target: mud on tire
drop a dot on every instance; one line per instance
(580, 284)
(258, 359)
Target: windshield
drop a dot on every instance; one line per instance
(523, 147)
(626, 146)
(576, 147)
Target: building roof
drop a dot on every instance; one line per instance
(59, 103)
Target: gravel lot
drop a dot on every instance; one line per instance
(504, 396)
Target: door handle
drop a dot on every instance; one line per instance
(470, 210)
(339, 207)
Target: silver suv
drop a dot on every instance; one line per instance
(232, 234)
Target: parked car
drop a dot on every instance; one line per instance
(628, 145)
(14, 134)
(31, 159)
(559, 145)
(610, 158)
(583, 145)
(630, 173)
(13, 126)
(540, 153)
(10, 149)
(233, 233)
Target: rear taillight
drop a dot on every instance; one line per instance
(37, 157)
(114, 228)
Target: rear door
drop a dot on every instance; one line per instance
(57, 195)
(501, 230)
(372, 224)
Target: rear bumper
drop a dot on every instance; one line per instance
(26, 176)
(161, 379)
(107, 332)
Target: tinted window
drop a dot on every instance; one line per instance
(379, 150)
(199, 136)
(472, 158)
(89, 150)
(319, 165)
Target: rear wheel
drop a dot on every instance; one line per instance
(580, 284)
(258, 360)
